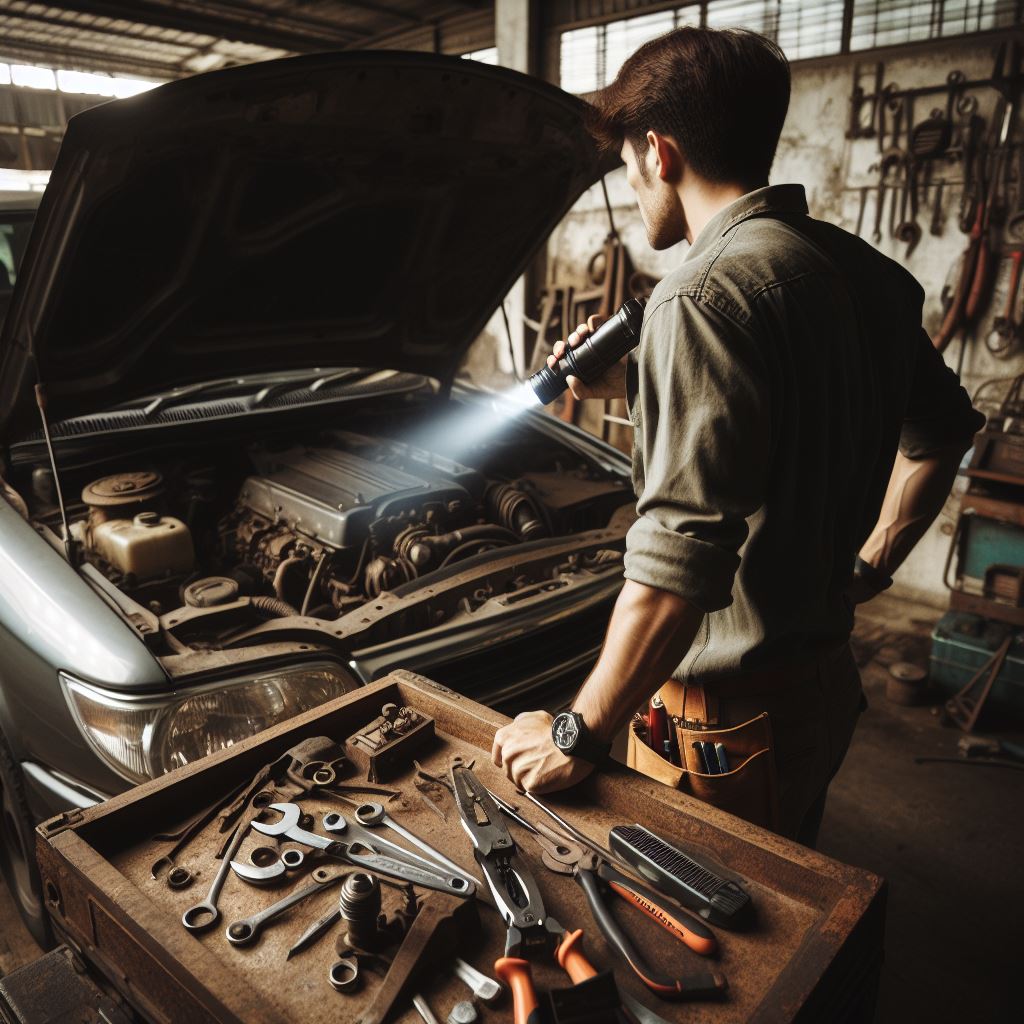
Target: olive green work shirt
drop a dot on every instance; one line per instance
(780, 367)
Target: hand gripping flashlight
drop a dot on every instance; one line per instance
(594, 355)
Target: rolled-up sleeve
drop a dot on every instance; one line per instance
(939, 411)
(699, 399)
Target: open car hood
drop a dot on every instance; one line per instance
(362, 209)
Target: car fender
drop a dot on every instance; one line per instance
(52, 620)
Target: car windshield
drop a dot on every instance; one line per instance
(14, 231)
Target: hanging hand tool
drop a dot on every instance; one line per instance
(403, 869)
(589, 872)
(931, 138)
(935, 227)
(954, 317)
(1004, 79)
(1015, 225)
(1005, 329)
(860, 209)
(531, 933)
(908, 230)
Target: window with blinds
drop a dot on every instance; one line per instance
(591, 56)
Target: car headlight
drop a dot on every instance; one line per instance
(143, 737)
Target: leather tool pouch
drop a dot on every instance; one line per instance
(749, 789)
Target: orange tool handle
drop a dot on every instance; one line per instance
(516, 974)
(702, 942)
(572, 959)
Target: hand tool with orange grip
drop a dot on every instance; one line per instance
(532, 934)
(595, 875)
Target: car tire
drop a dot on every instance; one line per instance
(17, 850)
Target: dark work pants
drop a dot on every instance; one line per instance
(812, 724)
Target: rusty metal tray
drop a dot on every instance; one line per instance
(813, 954)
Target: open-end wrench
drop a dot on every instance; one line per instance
(393, 867)
(204, 915)
(241, 933)
(487, 990)
(371, 814)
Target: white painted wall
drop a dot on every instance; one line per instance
(815, 152)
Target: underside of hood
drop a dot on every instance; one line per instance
(361, 209)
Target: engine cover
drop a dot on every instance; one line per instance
(332, 496)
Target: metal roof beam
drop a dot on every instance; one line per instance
(88, 60)
(249, 25)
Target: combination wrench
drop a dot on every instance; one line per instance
(338, 823)
(204, 915)
(241, 933)
(402, 869)
(371, 814)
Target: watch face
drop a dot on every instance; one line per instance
(566, 731)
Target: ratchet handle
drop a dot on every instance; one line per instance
(703, 983)
(689, 930)
(516, 974)
(572, 959)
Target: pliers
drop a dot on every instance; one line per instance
(532, 934)
(594, 875)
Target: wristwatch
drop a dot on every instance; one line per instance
(572, 737)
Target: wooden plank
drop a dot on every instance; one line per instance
(816, 939)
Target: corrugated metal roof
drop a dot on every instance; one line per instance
(170, 38)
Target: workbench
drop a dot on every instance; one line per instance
(813, 952)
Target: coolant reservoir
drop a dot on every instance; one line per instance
(148, 546)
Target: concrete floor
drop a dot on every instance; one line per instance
(948, 837)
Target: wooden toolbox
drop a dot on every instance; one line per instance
(812, 954)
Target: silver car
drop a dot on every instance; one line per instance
(238, 479)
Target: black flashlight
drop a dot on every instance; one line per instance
(594, 355)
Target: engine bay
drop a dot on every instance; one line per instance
(284, 527)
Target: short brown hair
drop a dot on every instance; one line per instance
(721, 94)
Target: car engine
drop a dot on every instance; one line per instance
(347, 524)
(317, 529)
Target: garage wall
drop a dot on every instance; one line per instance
(815, 152)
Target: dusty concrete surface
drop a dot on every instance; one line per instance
(947, 837)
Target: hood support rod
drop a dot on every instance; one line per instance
(70, 547)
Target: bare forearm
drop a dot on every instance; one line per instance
(648, 635)
(916, 493)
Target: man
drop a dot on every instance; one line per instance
(789, 412)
